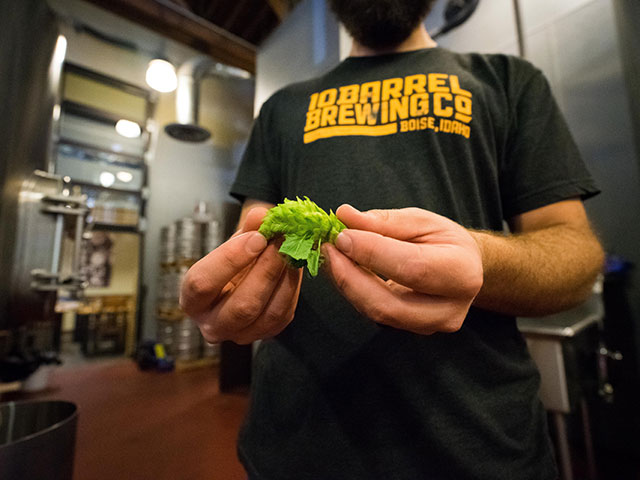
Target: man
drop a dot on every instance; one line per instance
(417, 371)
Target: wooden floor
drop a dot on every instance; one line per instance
(150, 425)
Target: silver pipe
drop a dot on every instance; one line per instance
(522, 50)
(77, 248)
(57, 244)
(190, 76)
(564, 452)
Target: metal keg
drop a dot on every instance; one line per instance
(212, 236)
(167, 296)
(188, 239)
(187, 337)
(211, 350)
(165, 329)
(169, 283)
(182, 338)
(168, 244)
(180, 272)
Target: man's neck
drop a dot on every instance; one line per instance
(418, 40)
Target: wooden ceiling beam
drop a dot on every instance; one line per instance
(235, 13)
(252, 26)
(210, 9)
(280, 7)
(183, 4)
(184, 26)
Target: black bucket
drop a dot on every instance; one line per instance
(37, 440)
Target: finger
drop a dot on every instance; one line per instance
(235, 281)
(278, 312)
(253, 220)
(391, 304)
(433, 269)
(242, 305)
(206, 278)
(345, 274)
(410, 224)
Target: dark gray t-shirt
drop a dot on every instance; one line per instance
(476, 138)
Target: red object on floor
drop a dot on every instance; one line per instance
(150, 425)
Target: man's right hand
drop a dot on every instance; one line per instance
(242, 291)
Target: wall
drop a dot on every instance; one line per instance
(179, 174)
(577, 44)
(490, 29)
(627, 15)
(314, 32)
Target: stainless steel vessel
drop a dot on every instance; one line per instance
(37, 440)
(37, 212)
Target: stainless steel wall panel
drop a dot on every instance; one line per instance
(539, 13)
(490, 29)
(580, 53)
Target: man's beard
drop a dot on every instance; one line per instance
(380, 24)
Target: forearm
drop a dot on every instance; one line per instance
(539, 272)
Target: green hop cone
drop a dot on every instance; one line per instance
(305, 227)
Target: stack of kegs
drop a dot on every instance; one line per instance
(182, 244)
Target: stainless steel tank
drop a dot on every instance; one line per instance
(29, 55)
(36, 211)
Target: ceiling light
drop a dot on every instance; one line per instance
(125, 177)
(128, 129)
(107, 179)
(161, 75)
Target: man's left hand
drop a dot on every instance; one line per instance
(410, 268)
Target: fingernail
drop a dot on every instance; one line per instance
(256, 243)
(351, 207)
(344, 243)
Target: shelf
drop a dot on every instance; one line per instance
(10, 387)
(136, 161)
(137, 193)
(109, 227)
(114, 82)
(101, 116)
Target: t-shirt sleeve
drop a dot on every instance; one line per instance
(257, 174)
(542, 164)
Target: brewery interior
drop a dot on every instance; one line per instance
(123, 125)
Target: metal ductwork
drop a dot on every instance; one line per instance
(190, 76)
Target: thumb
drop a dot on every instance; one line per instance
(403, 224)
(205, 280)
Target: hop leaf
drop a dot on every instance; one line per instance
(305, 227)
